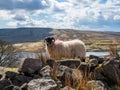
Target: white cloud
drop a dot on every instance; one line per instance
(12, 24)
(116, 17)
(5, 15)
(79, 14)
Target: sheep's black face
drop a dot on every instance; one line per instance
(49, 41)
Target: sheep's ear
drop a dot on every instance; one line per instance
(53, 39)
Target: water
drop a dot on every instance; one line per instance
(34, 55)
(97, 53)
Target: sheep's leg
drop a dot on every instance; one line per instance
(81, 59)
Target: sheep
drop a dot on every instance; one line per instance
(58, 49)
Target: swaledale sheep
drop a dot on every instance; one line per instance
(58, 49)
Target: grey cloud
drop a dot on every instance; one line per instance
(20, 18)
(25, 4)
(57, 9)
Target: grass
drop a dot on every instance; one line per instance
(91, 45)
(4, 69)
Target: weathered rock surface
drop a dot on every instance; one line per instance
(12, 87)
(10, 74)
(111, 69)
(51, 62)
(93, 62)
(1, 76)
(45, 72)
(66, 76)
(30, 66)
(99, 59)
(70, 63)
(20, 80)
(4, 83)
(42, 84)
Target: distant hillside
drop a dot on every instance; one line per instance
(20, 35)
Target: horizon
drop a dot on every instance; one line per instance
(98, 15)
(57, 29)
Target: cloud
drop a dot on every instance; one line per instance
(78, 14)
(21, 17)
(23, 4)
(5, 15)
(117, 17)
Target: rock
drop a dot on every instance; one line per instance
(99, 59)
(12, 87)
(10, 74)
(65, 75)
(36, 76)
(111, 71)
(61, 70)
(67, 88)
(42, 84)
(31, 66)
(1, 76)
(19, 80)
(50, 62)
(4, 83)
(84, 68)
(96, 85)
(45, 72)
(97, 74)
(24, 86)
(93, 62)
(16, 78)
(70, 63)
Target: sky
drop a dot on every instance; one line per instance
(98, 15)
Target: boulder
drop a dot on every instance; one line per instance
(16, 78)
(30, 66)
(1, 76)
(65, 75)
(97, 85)
(10, 74)
(111, 69)
(84, 68)
(12, 87)
(4, 83)
(45, 72)
(42, 84)
(97, 74)
(19, 80)
(93, 62)
(99, 59)
(36, 76)
(51, 62)
(70, 63)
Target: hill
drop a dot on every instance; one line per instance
(28, 39)
(20, 35)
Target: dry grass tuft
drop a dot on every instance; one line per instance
(113, 50)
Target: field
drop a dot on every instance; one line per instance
(92, 45)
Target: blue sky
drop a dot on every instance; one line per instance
(99, 15)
